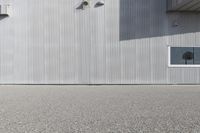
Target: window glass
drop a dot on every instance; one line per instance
(197, 55)
(183, 56)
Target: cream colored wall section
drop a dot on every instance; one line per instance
(120, 42)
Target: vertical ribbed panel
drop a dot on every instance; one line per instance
(122, 42)
(113, 51)
(68, 46)
(83, 41)
(98, 45)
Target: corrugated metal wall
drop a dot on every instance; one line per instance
(122, 42)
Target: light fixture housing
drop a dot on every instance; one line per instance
(100, 3)
(4, 10)
(83, 4)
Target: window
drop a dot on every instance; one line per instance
(184, 56)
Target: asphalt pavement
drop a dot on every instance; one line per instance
(99, 109)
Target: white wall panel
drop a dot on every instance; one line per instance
(122, 42)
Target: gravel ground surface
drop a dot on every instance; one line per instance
(99, 109)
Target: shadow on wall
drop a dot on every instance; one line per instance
(148, 18)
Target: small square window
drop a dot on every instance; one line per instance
(184, 56)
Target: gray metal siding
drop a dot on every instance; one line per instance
(122, 42)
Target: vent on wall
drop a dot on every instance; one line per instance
(4, 10)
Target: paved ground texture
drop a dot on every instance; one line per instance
(99, 109)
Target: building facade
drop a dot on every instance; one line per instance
(99, 42)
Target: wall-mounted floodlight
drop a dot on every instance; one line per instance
(83, 4)
(100, 3)
(4, 10)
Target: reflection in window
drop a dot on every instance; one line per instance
(185, 55)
